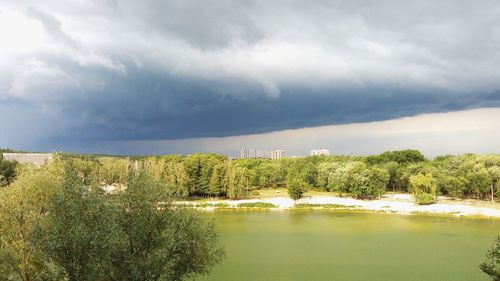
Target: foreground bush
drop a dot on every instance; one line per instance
(53, 227)
(492, 265)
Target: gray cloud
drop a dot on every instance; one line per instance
(52, 26)
(130, 70)
(433, 134)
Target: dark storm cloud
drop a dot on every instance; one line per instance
(130, 70)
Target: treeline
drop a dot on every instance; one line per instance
(213, 175)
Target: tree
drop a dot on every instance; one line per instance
(324, 170)
(400, 156)
(113, 170)
(455, 186)
(424, 188)
(348, 177)
(81, 226)
(296, 189)
(492, 265)
(479, 181)
(177, 180)
(23, 206)
(7, 171)
(395, 173)
(240, 183)
(216, 186)
(376, 179)
(494, 172)
(159, 241)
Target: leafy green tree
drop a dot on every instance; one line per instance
(114, 170)
(494, 172)
(309, 174)
(177, 180)
(424, 188)
(324, 170)
(376, 179)
(347, 177)
(240, 184)
(23, 206)
(479, 181)
(216, 186)
(455, 186)
(403, 157)
(81, 227)
(395, 181)
(199, 167)
(296, 189)
(159, 241)
(492, 265)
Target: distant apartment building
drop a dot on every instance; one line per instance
(31, 158)
(277, 154)
(262, 154)
(321, 151)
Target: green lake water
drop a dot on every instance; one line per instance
(329, 245)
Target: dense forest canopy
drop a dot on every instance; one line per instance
(214, 175)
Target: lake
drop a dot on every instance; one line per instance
(331, 245)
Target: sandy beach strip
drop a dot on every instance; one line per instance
(398, 204)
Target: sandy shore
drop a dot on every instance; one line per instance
(394, 203)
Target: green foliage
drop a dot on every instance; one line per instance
(215, 205)
(424, 188)
(23, 206)
(425, 198)
(158, 242)
(212, 175)
(358, 179)
(492, 265)
(7, 171)
(256, 205)
(395, 181)
(401, 157)
(296, 189)
(53, 226)
(81, 226)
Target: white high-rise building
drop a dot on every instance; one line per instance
(277, 154)
(263, 154)
(321, 151)
(248, 153)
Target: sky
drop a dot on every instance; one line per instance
(159, 76)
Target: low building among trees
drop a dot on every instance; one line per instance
(29, 158)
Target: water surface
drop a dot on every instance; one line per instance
(328, 245)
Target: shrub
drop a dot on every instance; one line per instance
(256, 205)
(296, 189)
(425, 198)
(216, 205)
